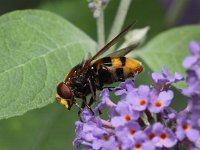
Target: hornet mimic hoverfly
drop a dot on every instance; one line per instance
(93, 73)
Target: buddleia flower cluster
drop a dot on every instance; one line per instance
(143, 119)
(96, 6)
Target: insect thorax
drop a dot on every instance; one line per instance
(80, 83)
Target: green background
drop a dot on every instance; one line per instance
(52, 126)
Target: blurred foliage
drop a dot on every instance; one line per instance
(169, 49)
(48, 128)
(52, 127)
(146, 13)
(76, 11)
(11, 5)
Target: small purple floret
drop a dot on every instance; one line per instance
(165, 78)
(126, 114)
(159, 102)
(139, 98)
(185, 128)
(165, 136)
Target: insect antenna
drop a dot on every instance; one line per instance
(79, 107)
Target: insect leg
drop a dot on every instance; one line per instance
(93, 91)
(85, 104)
(79, 107)
(92, 100)
(81, 110)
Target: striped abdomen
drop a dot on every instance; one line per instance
(112, 69)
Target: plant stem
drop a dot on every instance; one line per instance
(175, 11)
(107, 124)
(100, 30)
(119, 18)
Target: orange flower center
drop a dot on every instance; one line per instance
(158, 104)
(105, 138)
(163, 136)
(119, 148)
(137, 147)
(127, 118)
(185, 127)
(142, 102)
(151, 136)
(132, 132)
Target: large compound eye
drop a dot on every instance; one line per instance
(64, 91)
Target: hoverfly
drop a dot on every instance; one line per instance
(93, 73)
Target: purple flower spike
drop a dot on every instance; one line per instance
(158, 103)
(165, 78)
(143, 118)
(190, 61)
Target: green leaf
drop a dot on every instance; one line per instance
(48, 128)
(169, 49)
(37, 49)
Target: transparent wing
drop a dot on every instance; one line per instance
(105, 48)
(111, 43)
(123, 51)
